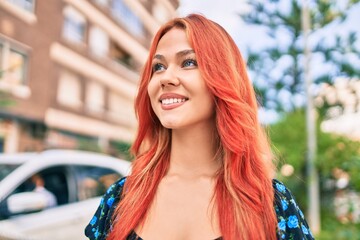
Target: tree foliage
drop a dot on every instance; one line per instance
(5, 100)
(288, 137)
(278, 68)
(5, 97)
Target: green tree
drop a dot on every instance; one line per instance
(5, 99)
(335, 153)
(121, 149)
(278, 68)
(288, 137)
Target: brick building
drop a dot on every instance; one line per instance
(70, 70)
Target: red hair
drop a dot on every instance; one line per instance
(243, 194)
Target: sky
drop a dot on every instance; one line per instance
(220, 12)
(226, 13)
(228, 17)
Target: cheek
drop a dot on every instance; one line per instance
(151, 91)
(209, 102)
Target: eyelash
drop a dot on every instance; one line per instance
(156, 66)
(189, 60)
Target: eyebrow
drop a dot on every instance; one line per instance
(178, 54)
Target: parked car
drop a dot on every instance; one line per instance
(77, 179)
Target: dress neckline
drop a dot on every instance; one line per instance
(133, 236)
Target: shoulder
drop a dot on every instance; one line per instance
(291, 220)
(101, 221)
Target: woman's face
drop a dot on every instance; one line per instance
(178, 94)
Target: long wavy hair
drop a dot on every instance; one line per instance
(243, 192)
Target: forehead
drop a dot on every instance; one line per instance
(173, 40)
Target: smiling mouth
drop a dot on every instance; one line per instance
(169, 101)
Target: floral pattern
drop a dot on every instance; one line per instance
(101, 222)
(291, 221)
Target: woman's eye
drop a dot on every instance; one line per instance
(189, 63)
(158, 67)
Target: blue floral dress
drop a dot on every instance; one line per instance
(291, 221)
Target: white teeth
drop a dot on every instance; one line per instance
(169, 101)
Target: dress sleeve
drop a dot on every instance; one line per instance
(292, 224)
(100, 223)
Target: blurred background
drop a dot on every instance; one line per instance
(69, 71)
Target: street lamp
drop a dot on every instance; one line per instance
(312, 174)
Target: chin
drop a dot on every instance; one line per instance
(170, 124)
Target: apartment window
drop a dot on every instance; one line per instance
(115, 102)
(13, 65)
(74, 25)
(127, 18)
(120, 56)
(160, 12)
(69, 90)
(103, 3)
(28, 5)
(1, 145)
(98, 42)
(120, 109)
(95, 97)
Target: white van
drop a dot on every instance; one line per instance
(77, 179)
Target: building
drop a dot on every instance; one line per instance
(70, 69)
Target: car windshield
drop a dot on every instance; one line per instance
(6, 169)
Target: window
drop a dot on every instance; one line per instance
(49, 186)
(118, 55)
(103, 3)
(120, 109)
(13, 65)
(28, 5)
(6, 169)
(127, 18)
(95, 97)
(160, 12)
(74, 25)
(98, 42)
(93, 181)
(1, 150)
(16, 67)
(69, 90)
(115, 104)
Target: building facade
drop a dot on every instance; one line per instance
(69, 70)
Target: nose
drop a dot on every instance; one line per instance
(169, 78)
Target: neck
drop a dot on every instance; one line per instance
(193, 152)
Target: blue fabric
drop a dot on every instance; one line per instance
(291, 221)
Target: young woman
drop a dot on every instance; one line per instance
(203, 167)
